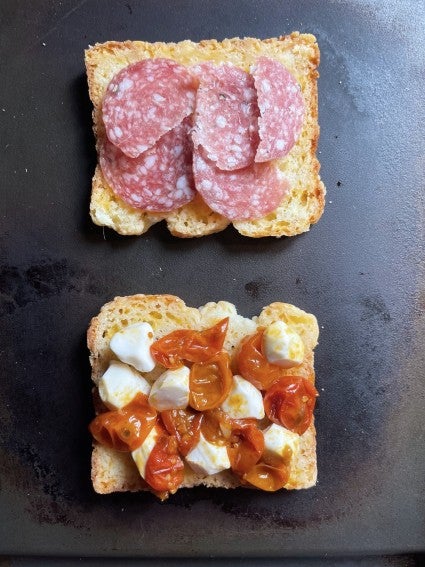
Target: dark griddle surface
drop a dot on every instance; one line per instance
(360, 270)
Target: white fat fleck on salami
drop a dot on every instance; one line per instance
(158, 180)
(226, 105)
(281, 109)
(146, 100)
(248, 193)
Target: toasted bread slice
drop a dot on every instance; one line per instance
(116, 472)
(304, 204)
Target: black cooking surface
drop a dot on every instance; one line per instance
(360, 270)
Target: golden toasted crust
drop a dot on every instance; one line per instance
(304, 204)
(116, 472)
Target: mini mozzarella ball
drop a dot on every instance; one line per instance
(171, 390)
(277, 438)
(142, 453)
(244, 400)
(132, 345)
(207, 458)
(282, 345)
(120, 384)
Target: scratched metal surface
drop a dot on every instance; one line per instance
(360, 270)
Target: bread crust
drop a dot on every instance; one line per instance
(116, 472)
(304, 204)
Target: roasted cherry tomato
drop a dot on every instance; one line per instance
(185, 425)
(125, 429)
(290, 402)
(272, 459)
(253, 365)
(164, 468)
(193, 346)
(246, 445)
(267, 477)
(210, 382)
(216, 426)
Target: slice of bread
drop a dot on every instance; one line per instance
(304, 204)
(116, 472)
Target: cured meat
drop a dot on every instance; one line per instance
(281, 109)
(146, 100)
(248, 193)
(160, 179)
(226, 116)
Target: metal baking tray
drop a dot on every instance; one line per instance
(360, 270)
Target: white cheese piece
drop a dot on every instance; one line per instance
(282, 345)
(120, 384)
(206, 458)
(142, 453)
(277, 438)
(132, 345)
(171, 390)
(244, 400)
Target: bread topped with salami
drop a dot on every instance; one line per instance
(188, 397)
(203, 135)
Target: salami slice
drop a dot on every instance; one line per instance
(158, 180)
(281, 109)
(146, 100)
(226, 116)
(247, 193)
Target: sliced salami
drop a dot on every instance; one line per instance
(281, 109)
(146, 100)
(226, 116)
(247, 193)
(158, 180)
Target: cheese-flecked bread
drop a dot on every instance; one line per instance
(113, 471)
(301, 207)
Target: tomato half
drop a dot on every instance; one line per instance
(210, 382)
(216, 426)
(267, 477)
(124, 429)
(246, 445)
(193, 346)
(185, 425)
(290, 402)
(253, 365)
(164, 468)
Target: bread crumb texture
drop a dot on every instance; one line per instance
(301, 207)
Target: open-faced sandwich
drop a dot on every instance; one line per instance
(187, 396)
(206, 134)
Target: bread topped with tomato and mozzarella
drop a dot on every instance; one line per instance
(188, 396)
(203, 135)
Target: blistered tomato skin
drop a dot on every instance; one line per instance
(253, 365)
(187, 345)
(210, 382)
(267, 477)
(290, 402)
(246, 445)
(164, 467)
(125, 429)
(185, 425)
(216, 426)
